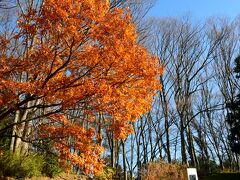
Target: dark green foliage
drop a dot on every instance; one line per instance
(5, 139)
(223, 176)
(233, 116)
(5, 135)
(51, 166)
(207, 167)
(237, 66)
(233, 119)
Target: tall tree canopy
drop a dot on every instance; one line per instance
(66, 56)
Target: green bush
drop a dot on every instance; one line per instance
(51, 167)
(14, 165)
(108, 173)
(32, 164)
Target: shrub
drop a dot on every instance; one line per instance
(14, 165)
(207, 167)
(163, 170)
(51, 166)
(106, 174)
(111, 173)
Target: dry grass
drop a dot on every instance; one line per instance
(164, 171)
(63, 176)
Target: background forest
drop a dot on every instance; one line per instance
(81, 114)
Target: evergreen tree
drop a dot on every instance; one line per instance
(233, 116)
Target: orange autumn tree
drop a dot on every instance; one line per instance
(67, 56)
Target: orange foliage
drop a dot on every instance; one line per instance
(86, 154)
(79, 53)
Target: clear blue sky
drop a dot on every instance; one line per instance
(197, 8)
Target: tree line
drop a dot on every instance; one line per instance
(188, 122)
